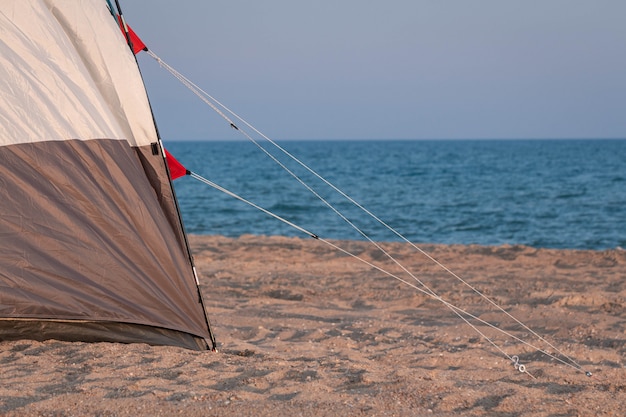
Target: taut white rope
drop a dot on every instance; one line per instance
(216, 105)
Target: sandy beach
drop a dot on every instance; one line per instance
(305, 330)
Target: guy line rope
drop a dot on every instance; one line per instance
(462, 314)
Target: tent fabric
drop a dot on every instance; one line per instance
(90, 331)
(67, 73)
(91, 243)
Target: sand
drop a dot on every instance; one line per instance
(304, 330)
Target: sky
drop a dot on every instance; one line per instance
(393, 69)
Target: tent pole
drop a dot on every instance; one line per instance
(169, 178)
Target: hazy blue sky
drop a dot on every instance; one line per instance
(407, 69)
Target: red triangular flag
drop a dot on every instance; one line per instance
(177, 169)
(138, 44)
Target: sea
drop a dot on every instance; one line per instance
(567, 194)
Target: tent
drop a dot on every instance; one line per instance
(92, 246)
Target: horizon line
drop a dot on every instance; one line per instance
(398, 139)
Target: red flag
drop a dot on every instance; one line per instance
(176, 168)
(138, 44)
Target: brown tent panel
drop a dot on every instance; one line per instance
(92, 246)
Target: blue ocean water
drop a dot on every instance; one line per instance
(541, 193)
